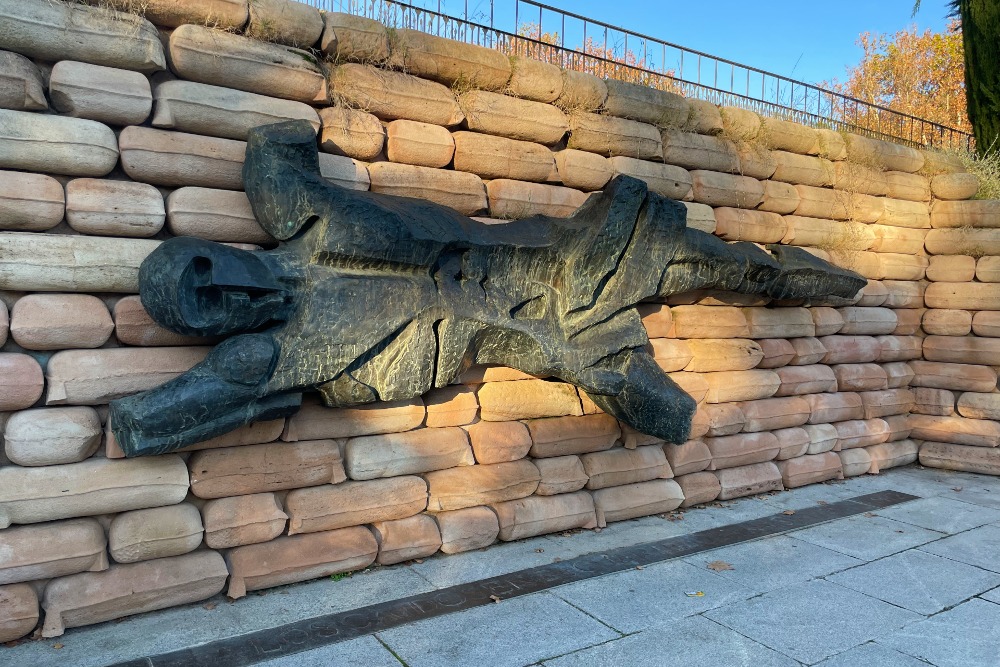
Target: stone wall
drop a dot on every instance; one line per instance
(117, 132)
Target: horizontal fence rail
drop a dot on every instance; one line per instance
(531, 29)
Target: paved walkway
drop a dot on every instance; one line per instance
(914, 584)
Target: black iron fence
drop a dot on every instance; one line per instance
(542, 32)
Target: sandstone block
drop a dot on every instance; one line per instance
(538, 515)
(30, 202)
(778, 197)
(392, 454)
(215, 215)
(134, 326)
(22, 381)
(693, 384)
(105, 94)
(788, 136)
(956, 430)
(962, 296)
(850, 349)
(392, 95)
(691, 457)
(56, 262)
(499, 442)
(240, 520)
(649, 105)
(405, 539)
(616, 467)
(238, 471)
(930, 401)
(899, 348)
(700, 216)
(779, 322)
(802, 169)
(861, 433)
(709, 354)
(559, 436)
(860, 377)
(736, 224)
(19, 615)
(902, 213)
(792, 442)
(911, 187)
(422, 144)
(828, 321)
(224, 14)
(449, 61)
(778, 352)
(619, 503)
(808, 379)
(974, 405)
(940, 162)
(177, 158)
(534, 80)
(515, 200)
(898, 374)
(893, 454)
(285, 22)
(723, 418)
(855, 462)
(709, 322)
(50, 550)
(494, 157)
(527, 399)
(560, 474)
(158, 532)
(959, 457)
(224, 59)
(53, 31)
(802, 231)
(21, 85)
(871, 295)
(954, 186)
(114, 208)
(461, 191)
(756, 161)
(91, 487)
(505, 116)
(581, 91)
(978, 213)
(908, 321)
(670, 354)
(740, 124)
(95, 377)
(957, 377)
(897, 267)
(581, 170)
(467, 529)
(360, 135)
(609, 136)
(333, 506)
(315, 422)
(94, 597)
(774, 413)
(962, 350)
(988, 269)
(459, 488)
(891, 156)
(222, 112)
(51, 436)
(699, 488)
(730, 451)
(356, 38)
(808, 351)
(835, 407)
(287, 560)
(58, 321)
(822, 438)
(665, 179)
(717, 189)
(899, 240)
(810, 469)
(887, 402)
(55, 144)
(451, 406)
(698, 151)
(986, 324)
(951, 269)
(729, 386)
(657, 320)
(748, 480)
(704, 117)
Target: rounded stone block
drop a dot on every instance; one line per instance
(113, 96)
(334, 506)
(956, 377)
(314, 421)
(860, 377)
(560, 474)
(855, 462)
(810, 469)
(49, 550)
(499, 442)
(699, 488)
(691, 457)
(505, 116)
(60, 321)
(616, 467)
(802, 169)
(559, 436)
(30, 202)
(359, 134)
(834, 407)
(214, 215)
(581, 170)
(52, 436)
(458, 190)
(792, 442)
(709, 322)
(717, 189)
(788, 136)
(620, 503)
(709, 354)
(422, 144)
(158, 532)
(114, 208)
(534, 80)
(893, 454)
(391, 95)
(538, 515)
(609, 136)
(527, 399)
(807, 379)
(516, 200)
(735, 224)
(18, 611)
(134, 326)
(663, 179)
(23, 381)
(955, 186)
(56, 144)
(406, 539)
(449, 61)
(672, 355)
(21, 85)
(955, 429)
(285, 22)
(467, 529)
(224, 14)
(748, 480)
(493, 157)
(581, 91)
(723, 418)
(979, 406)
(393, 454)
(962, 458)
(730, 451)
(458, 488)
(890, 156)
(822, 438)
(354, 38)
(730, 386)
(239, 520)
(177, 158)
(902, 213)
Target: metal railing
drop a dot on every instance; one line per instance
(542, 32)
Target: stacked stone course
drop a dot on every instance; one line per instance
(119, 131)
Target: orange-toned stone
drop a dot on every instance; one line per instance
(811, 379)
(157, 532)
(748, 480)
(861, 433)
(239, 520)
(810, 469)
(393, 454)
(778, 352)
(238, 471)
(60, 321)
(52, 436)
(467, 529)
(774, 413)
(690, 457)
(527, 399)
(835, 407)
(499, 442)
(616, 467)
(332, 506)
(52, 549)
(18, 611)
(560, 474)
(742, 449)
(405, 539)
(22, 381)
(538, 515)
(619, 503)
(481, 485)
(317, 422)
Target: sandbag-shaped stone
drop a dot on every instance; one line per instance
(698, 488)
(892, 156)
(978, 213)
(698, 151)
(822, 438)
(899, 240)
(499, 442)
(960, 457)
(835, 407)
(792, 442)
(114, 208)
(710, 354)
(316, 422)
(493, 157)
(516, 200)
(867, 321)
(850, 349)
(619, 503)
(778, 352)
(49, 550)
(693, 384)
(975, 406)
(91, 487)
(988, 270)
(955, 349)
(527, 399)
(559, 436)
(355, 38)
(287, 560)
(405, 539)
(931, 401)
(360, 135)
(21, 85)
(238, 471)
(392, 454)
(899, 348)
(95, 377)
(535, 80)
(912, 187)
(467, 529)
(51, 436)
(134, 326)
(740, 124)
(957, 377)
(902, 213)
(215, 215)
(871, 295)
(986, 324)
(392, 95)
(105, 94)
(461, 191)
(177, 158)
(581, 91)
(802, 231)
(53, 31)
(449, 61)
(723, 418)
(671, 354)
(718, 189)
(779, 322)
(451, 406)
(908, 321)
(59, 321)
(23, 381)
(779, 197)
(788, 136)
(63, 263)
(855, 462)
(649, 105)
(955, 186)
(560, 474)
(30, 202)
(458, 488)
(730, 451)
(802, 169)
(18, 611)
(514, 118)
(808, 379)
(951, 268)
(738, 224)
(240, 520)
(810, 469)
(199, 108)
(657, 319)
(893, 454)
(861, 433)
(582, 170)
(691, 457)
(860, 377)
(55, 144)
(616, 467)
(828, 321)
(955, 429)
(123, 590)
(748, 480)
(808, 350)
(887, 402)
(344, 171)
(332, 506)
(898, 374)
(224, 14)
(963, 296)
(158, 532)
(855, 177)
(901, 267)
(730, 386)
(709, 322)
(422, 144)
(774, 413)
(665, 179)
(609, 136)
(285, 22)
(538, 515)
(224, 59)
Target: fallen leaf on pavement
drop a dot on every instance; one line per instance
(720, 566)
(789, 512)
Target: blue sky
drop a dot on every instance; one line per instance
(808, 40)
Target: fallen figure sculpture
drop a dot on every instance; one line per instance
(371, 297)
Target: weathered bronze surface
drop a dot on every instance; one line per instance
(371, 297)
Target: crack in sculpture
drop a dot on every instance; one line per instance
(372, 297)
